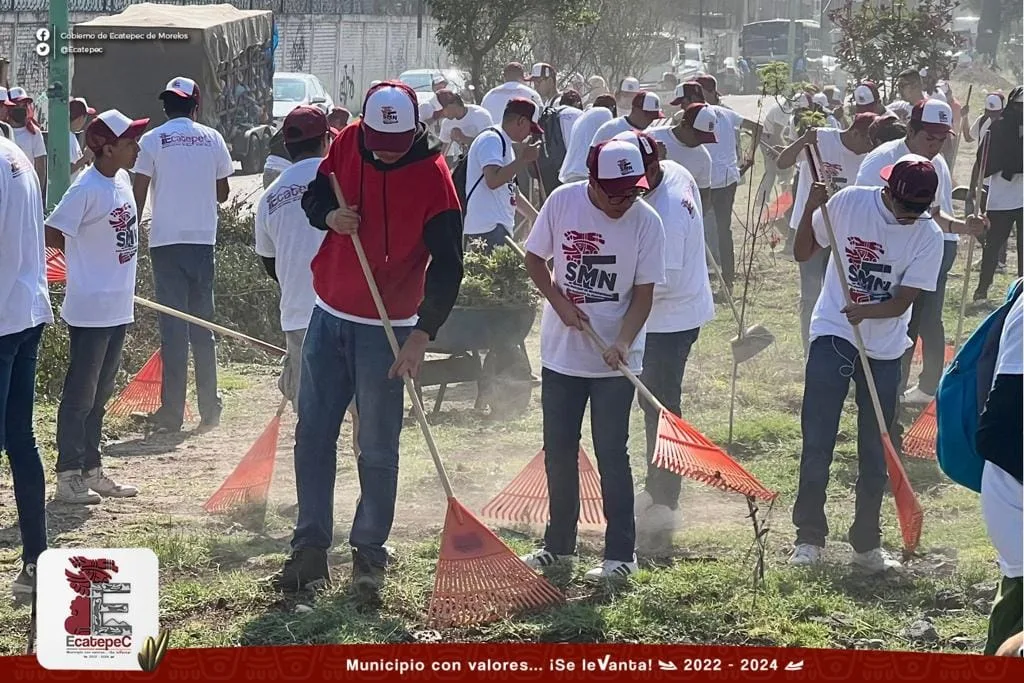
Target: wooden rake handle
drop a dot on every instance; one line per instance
(589, 331)
(421, 416)
(213, 327)
(977, 185)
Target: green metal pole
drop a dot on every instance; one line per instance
(58, 152)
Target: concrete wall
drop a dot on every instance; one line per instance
(346, 51)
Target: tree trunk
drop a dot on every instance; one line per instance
(476, 68)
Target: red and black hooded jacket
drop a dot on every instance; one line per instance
(410, 227)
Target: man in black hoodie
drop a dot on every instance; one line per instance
(400, 199)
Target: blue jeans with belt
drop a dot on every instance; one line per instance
(342, 359)
(18, 354)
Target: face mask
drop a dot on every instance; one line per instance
(19, 115)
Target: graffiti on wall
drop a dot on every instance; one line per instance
(347, 86)
(297, 54)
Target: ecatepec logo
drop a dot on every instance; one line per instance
(625, 167)
(96, 607)
(388, 114)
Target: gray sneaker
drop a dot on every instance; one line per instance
(25, 583)
(99, 482)
(71, 489)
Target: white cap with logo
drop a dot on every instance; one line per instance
(862, 94)
(630, 84)
(994, 102)
(389, 118)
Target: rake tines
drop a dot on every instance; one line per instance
(249, 482)
(479, 579)
(56, 266)
(947, 353)
(919, 441)
(525, 499)
(682, 449)
(142, 395)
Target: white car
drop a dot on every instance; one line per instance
(422, 81)
(295, 89)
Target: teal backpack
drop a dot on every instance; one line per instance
(963, 390)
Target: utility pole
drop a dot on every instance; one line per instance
(700, 20)
(794, 14)
(58, 151)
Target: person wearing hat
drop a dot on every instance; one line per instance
(5, 128)
(607, 250)
(645, 109)
(1005, 183)
(512, 86)
(931, 122)
(27, 135)
(461, 124)
(725, 177)
(686, 143)
(277, 159)
(96, 225)
(544, 80)
(866, 100)
(184, 166)
(496, 157)
(399, 198)
(890, 250)
(430, 110)
(840, 155)
(79, 112)
(626, 92)
(577, 151)
(685, 94)
(26, 310)
(995, 102)
(682, 304)
(596, 86)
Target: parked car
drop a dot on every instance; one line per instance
(295, 89)
(422, 81)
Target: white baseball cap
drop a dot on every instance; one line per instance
(994, 102)
(629, 84)
(542, 70)
(821, 99)
(865, 94)
(17, 96)
(181, 87)
(618, 167)
(3, 94)
(647, 101)
(390, 118)
(645, 143)
(111, 126)
(934, 115)
(702, 119)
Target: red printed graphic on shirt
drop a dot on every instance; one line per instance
(870, 281)
(126, 240)
(588, 280)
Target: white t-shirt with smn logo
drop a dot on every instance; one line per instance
(684, 301)
(879, 256)
(284, 234)
(838, 164)
(597, 261)
(486, 208)
(100, 224)
(185, 160)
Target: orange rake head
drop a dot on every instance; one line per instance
(682, 449)
(525, 499)
(919, 441)
(56, 266)
(908, 509)
(479, 578)
(142, 395)
(948, 353)
(249, 483)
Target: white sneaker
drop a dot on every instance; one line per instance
(875, 561)
(612, 571)
(25, 583)
(99, 482)
(541, 560)
(916, 397)
(654, 529)
(805, 555)
(72, 489)
(641, 502)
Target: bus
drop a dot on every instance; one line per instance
(768, 41)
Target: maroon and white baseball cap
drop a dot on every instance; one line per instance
(542, 70)
(995, 101)
(304, 123)
(79, 107)
(528, 108)
(179, 86)
(617, 167)
(935, 116)
(629, 85)
(17, 97)
(111, 126)
(865, 96)
(702, 119)
(689, 89)
(647, 145)
(912, 179)
(708, 82)
(648, 102)
(862, 122)
(390, 117)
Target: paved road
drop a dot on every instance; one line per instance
(747, 105)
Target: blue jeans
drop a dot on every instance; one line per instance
(94, 359)
(665, 355)
(183, 279)
(831, 363)
(18, 354)
(563, 401)
(342, 359)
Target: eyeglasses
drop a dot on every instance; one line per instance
(618, 199)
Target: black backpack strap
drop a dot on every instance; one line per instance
(504, 150)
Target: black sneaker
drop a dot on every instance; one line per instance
(305, 569)
(208, 424)
(366, 575)
(25, 583)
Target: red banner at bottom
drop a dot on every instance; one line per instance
(540, 661)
